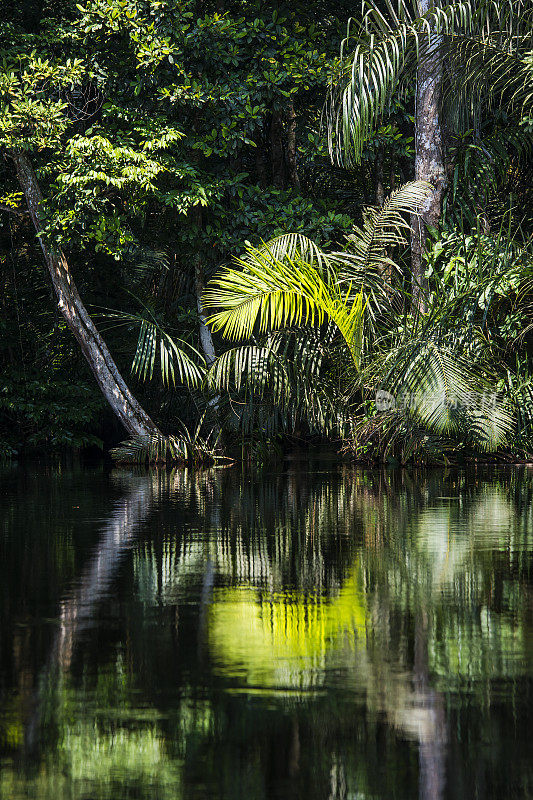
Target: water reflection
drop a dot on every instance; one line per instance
(78, 608)
(310, 633)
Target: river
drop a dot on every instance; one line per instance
(315, 631)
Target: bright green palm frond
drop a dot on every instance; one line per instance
(275, 292)
(296, 246)
(177, 358)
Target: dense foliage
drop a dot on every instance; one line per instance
(171, 136)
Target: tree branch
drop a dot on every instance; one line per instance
(18, 212)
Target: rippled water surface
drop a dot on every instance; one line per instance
(313, 632)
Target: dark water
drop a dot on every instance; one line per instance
(317, 632)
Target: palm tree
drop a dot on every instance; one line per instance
(468, 57)
(309, 315)
(290, 282)
(289, 289)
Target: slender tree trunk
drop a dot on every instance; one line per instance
(133, 417)
(276, 150)
(291, 145)
(429, 160)
(206, 340)
(379, 191)
(204, 334)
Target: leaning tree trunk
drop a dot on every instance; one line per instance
(78, 608)
(429, 158)
(135, 420)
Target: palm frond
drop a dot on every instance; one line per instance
(383, 228)
(249, 366)
(295, 246)
(490, 66)
(178, 360)
(385, 46)
(143, 265)
(283, 383)
(278, 290)
(175, 356)
(483, 39)
(291, 282)
(446, 395)
(186, 447)
(482, 162)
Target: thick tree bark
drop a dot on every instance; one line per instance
(429, 159)
(291, 145)
(133, 417)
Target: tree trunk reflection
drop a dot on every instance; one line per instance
(78, 609)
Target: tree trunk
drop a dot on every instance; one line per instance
(429, 160)
(291, 145)
(276, 150)
(206, 340)
(133, 417)
(379, 191)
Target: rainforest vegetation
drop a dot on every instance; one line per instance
(229, 228)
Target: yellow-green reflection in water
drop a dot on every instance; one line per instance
(281, 640)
